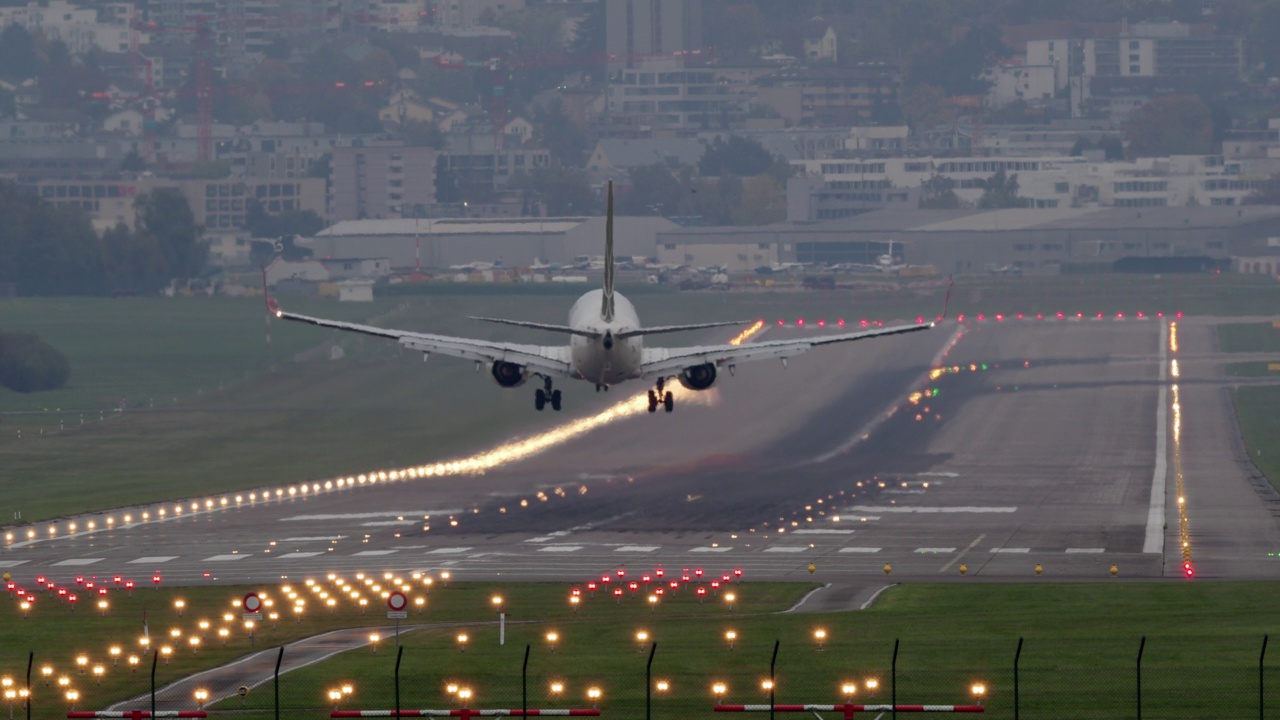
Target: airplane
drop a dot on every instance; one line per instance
(606, 345)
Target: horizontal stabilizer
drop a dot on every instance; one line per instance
(660, 329)
(539, 326)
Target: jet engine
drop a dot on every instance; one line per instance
(698, 377)
(509, 375)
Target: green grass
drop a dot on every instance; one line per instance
(207, 404)
(1248, 337)
(1260, 426)
(1252, 369)
(1078, 659)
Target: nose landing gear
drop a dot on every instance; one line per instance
(546, 395)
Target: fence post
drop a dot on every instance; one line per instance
(524, 684)
(773, 681)
(893, 680)
(1141, 646)
(399, 654)
(1016, 657)
(1261, 702)
(155, 656)
(648, 682)
(31, 658)
(276, 677)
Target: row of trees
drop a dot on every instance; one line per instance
(48, 249)
(29, 364)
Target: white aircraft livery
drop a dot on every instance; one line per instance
(605, 345)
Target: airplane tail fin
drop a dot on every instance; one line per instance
(606, 298)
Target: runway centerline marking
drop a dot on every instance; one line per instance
(957, 558)
(1154, 540)
(79, 561)
(152, 560)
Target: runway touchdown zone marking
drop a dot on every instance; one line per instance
(13, 563)
(787, 549)
(710, 549)
(560, 548)
(297, 555)
(374, 553)
(224, 558)
(152, 560)
(448, 551)
(1092, 551)
(637, 548)
(79, 561)
(859, 550)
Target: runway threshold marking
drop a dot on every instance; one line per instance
(964, 552)
(1154, 541)
(79, 561)
(152, 560)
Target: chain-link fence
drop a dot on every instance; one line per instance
(670, 681)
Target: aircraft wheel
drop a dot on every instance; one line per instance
(555, 400)
(668, 402)
(653, 401)
(540, 399)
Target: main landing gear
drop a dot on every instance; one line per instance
(546, 395)
(658, 395)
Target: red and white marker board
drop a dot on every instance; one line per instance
(252, 605)
(397, 606)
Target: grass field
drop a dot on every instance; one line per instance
(1081, 643)
(1248, 337)
(1260, 426)
(208, 408)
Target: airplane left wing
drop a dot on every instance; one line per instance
(659, 361)
(549, 360)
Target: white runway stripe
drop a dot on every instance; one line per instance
(226, 558)
(560, 548)
(958, 509)
(80, 561)
(448, 551)
(152, 560)
(787, 548)
(710, 549)
(371, 515)
(637, 548)
(373, 553)
(1072, 551)
(1010, 550)
(859, 550)
(297, 555)
(822, 532)
(315, 538)
(390, 523)
(938, 550)
(12, 563)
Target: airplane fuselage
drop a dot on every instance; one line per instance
(605, 359)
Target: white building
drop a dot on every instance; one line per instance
(1020, 82)
(81, 27)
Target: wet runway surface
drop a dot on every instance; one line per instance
(1025, 444)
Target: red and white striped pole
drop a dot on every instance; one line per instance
(136, 714)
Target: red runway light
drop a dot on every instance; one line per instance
(617, 592)
(1160, 313)
(919, 319)
(862, 323)
(79, 579)
(702, 591)
(659, 572)
(999, 317)
(960, 317)
(799, 322)
(622, 573)
(659, 591)
(674, 584)
(1060, 316)
(633, 586)
(698, 572)
(1099, 316)
(645, 579)
(576, 592)
(605, 579)
(40, 579)
(781, 323)
(840, 322)
(591, 586)
(1179, 314)
(1019, 316)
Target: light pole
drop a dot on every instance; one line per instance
(502, 619)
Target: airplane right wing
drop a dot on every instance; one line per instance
(548, 360)
(663, 361)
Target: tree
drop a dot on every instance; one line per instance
(286, 224)
(939, 193)
(165, 219)
(588, 37)
(557, 133)
(447, 189)
(739, 156)
(1264, 38)
(653, 192)
(1170, 125)
(1001, 192)
(539, 30)
(18, 59)
(925, 107)
(132, 162)
(561, 190)
(29, 364)
(419, 133)
(763, 201)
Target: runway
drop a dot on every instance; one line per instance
(993, 446)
